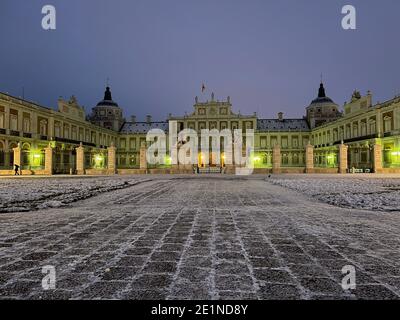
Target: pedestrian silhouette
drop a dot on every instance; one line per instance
(16, 170)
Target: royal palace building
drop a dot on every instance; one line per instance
(363, 137)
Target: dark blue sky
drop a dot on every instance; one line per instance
(267, 55)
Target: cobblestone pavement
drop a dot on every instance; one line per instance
(200, 238)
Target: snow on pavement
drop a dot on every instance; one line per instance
(200, 238)
(357, 192)
(27, 194)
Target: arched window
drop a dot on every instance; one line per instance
(132, 160)
(295, 159)
(285, 159)
(122, 160)
(26, 153)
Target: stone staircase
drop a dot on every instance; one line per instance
(210, 170)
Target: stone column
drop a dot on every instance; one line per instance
(377, 152)
(143, 157)
(276, 159)
(343, 158)
(48, 160)
(18, 157)
(112, 160)
(380, 130)
(80, 160)
(309, 158)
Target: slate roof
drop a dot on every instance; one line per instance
(143, 127)
(282, 125)
(262, 125)
(322, 100)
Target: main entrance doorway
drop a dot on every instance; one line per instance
(213, 166)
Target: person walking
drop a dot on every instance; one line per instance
(16, 169)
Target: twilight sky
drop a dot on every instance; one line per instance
(267, 55)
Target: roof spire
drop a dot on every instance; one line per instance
(107, 94)
(321, 91)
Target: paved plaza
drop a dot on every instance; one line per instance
(206, 237)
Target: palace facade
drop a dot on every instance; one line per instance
(364, 137)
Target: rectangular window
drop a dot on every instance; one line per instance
(284, 142)
(123, 143)
(13, 122)
(133, 144)
(295, 142)
(263, 142)
(2, 122)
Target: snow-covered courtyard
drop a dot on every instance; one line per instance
(200, 237)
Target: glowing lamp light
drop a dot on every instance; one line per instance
(167, 160)
(36, 156)
(98, 160)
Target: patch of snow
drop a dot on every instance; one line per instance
(377, 194)
(21, 195)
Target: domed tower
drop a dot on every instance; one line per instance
(107, 113)
(322, 109)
